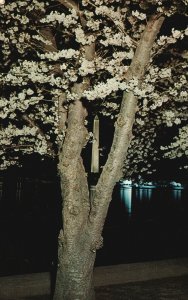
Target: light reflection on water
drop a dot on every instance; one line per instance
(146, 195)
(143, 193)
(176, 194)
(126, 198)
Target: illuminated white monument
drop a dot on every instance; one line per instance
(95, 154)
(95, 147)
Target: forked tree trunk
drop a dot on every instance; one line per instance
(83, 221)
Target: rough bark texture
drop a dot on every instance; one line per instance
(83, 221)
(75, 270)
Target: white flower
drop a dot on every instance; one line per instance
(82, 38)
(164, 73)
(87, 67)
(183, 94)
(139, 15)
(21, 96)
(29, 92)
(162, 40)
(176, 33)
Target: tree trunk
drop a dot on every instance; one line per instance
(75, 270)
(83, 220)
(75, 255)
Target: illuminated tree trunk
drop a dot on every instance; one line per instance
(83, 221)
(75, 270)
(76, 254)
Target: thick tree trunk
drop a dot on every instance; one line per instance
(75, 270)
(75, 256)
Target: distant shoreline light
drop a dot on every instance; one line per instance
(150, 185)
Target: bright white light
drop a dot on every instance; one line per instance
(2, 2)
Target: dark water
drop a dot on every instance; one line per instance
(29, 223)
(141, 225)
(145, 224)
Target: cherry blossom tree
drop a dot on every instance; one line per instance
(60, 61)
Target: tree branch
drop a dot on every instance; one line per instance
(73, 175)
(62, 112)
(46, 32)
(112, 170)
(70, 4)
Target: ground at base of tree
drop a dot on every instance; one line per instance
(173, 288)
(149, 280)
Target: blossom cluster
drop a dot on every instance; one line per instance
(61, 18)
(33, 76)
(179, 147)
(83, 38)
(67, 54)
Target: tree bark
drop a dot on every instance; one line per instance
(75, 270)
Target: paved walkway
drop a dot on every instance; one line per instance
(111, 282)
(171, 288)
(140, 271)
